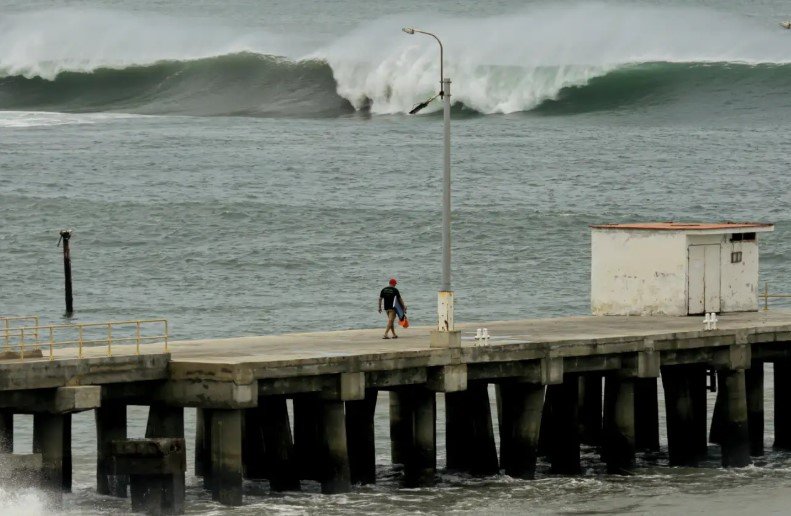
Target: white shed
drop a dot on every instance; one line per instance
(673, 268)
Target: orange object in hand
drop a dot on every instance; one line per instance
(404, 322)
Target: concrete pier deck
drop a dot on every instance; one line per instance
(243, 360)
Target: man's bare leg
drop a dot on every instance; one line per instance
(391, 315)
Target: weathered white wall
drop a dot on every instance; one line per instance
(740, 280)
(638, 272)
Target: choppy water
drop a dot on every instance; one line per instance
(248, 168)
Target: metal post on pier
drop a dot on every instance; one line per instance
(65, 236)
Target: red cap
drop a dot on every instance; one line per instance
(393, 281)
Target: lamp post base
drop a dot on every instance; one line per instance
(445, 339)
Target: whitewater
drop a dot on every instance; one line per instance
(131, 63)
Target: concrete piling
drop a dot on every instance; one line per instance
(618, 446)
(110, 426)
(334, 458)
(520, 407)
(717, 422)
(167, 422)
(562, 429)
(226, 456)
(469, 431)
(421, 464)
(736, 439)
(646, 417)
(590, 409)
(203, 445)
(6, 431)
(686, 415)
(254, 463)
(401, 430)
(360, 438)
(754, 380)
(278, 444)
(48, 440)
(782, 394)
(307, 435)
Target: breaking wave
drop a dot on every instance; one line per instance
(549, 59)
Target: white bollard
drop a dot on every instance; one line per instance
(478, 337)
(714, 321)
(707, 322)
(486, 336)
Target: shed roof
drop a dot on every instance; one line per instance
(738, 227)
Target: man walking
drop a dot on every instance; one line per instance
(392, 301)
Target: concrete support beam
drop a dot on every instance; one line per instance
(736, 439)
(278, 444)
(401, 429)
(49, 432)
(520, 406)
(618, 446)
(646, 406)
(345, 387)
(590, 397)
(360, 438)
(754, 379)
(469, 432)
(6, 431)
(449, 378)
(643, 364)
(209, 394)
(552, 371)
(782, 405)
(421, 461)
(685, 406)
(734, 357)
(77, 399)
(226, 456)
(334, 459)
(560, 426)
(110, 426)
(307, 435)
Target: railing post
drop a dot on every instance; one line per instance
(80, 342)
(137, 332)
(6, 346)
(109, 339)
(51, 343)
(35, 332)
(22, 343)
(166, 336)
(766, 296)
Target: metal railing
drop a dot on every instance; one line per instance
(9, 322)
(85, 336)
(766, 296)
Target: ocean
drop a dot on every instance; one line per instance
(249, 167)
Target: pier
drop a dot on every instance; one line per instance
(559, 383)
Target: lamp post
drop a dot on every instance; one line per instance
(446, 334)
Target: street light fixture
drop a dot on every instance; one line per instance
(446, 334)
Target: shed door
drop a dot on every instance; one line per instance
(704, 278)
